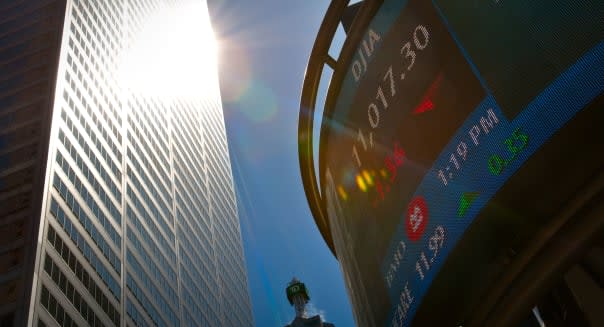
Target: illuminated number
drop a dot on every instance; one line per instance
(496, 164)
(355, 154)
(516, 142)
(419, 270)
(454, 161)
(390, 77)
(462, 150)
(381, 97)
(425, 261)
(441, 234)
(523, 138)
(374, 120)
(418, 267)
(416, 218)
(441, 174)
(436, 241)
(405, 301)
(408, 53)
(361, 138)
(433, 245)
(425, 35)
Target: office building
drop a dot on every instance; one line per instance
(117, 202)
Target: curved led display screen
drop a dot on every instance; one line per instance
(460, 128)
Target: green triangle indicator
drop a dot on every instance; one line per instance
(465, 201)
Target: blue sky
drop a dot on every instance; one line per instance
(264, 47)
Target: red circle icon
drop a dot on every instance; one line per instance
(417, 218)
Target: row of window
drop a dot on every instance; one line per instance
(157, 196)
(195, 175)
(227, 237)
(193, 187)
(195, 156)
(155, 111)
(226, 240)
(141, 10)
(104, 13)
(191, 116)
(92, 205)
(151, 260)
(163, 168)
(103, 49)
(167, 215)
(72, 294)
(185, 192)
(220, 194)
(85, 222)
(99, 82)
(134, 314)
(83, 276)
(147, 163)
(186, 217)
(157, 253)
(198, 251)
(55, 309)
(185, 132)
(87, 251)
(217, 160)
(87, 68)
(210, 305)
(193, 207)
(149, 128)
(71, 174)
(144, 301)
(187, 264)
(92, 34)
(156, 294)
(199, 318)
(134, 162)
(232, 236)
(115, 168)
(232, 294)
(95, 162)
(156, 275)
(105, 52)
(149, 220)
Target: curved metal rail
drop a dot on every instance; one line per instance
(318, 58)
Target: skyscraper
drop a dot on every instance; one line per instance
(117, 203)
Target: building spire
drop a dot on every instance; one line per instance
(297, 294)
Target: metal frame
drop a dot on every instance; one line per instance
(318, 58)
(531, 275)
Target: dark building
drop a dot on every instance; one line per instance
(117, 205)
(297, 295)
(460, 169)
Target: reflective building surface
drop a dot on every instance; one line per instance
(117, 201)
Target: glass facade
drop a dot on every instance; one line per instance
(139, 224)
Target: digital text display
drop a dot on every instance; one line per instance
(441, 104)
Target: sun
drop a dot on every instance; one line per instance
(173, 55)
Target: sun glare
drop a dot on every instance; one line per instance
(175, 54)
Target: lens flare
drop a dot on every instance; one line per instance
(384, 173)
(368, 178)
(342, 193)
(361, 183)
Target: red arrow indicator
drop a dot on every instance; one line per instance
(426, 104)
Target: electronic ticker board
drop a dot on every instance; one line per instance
(446, 109)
